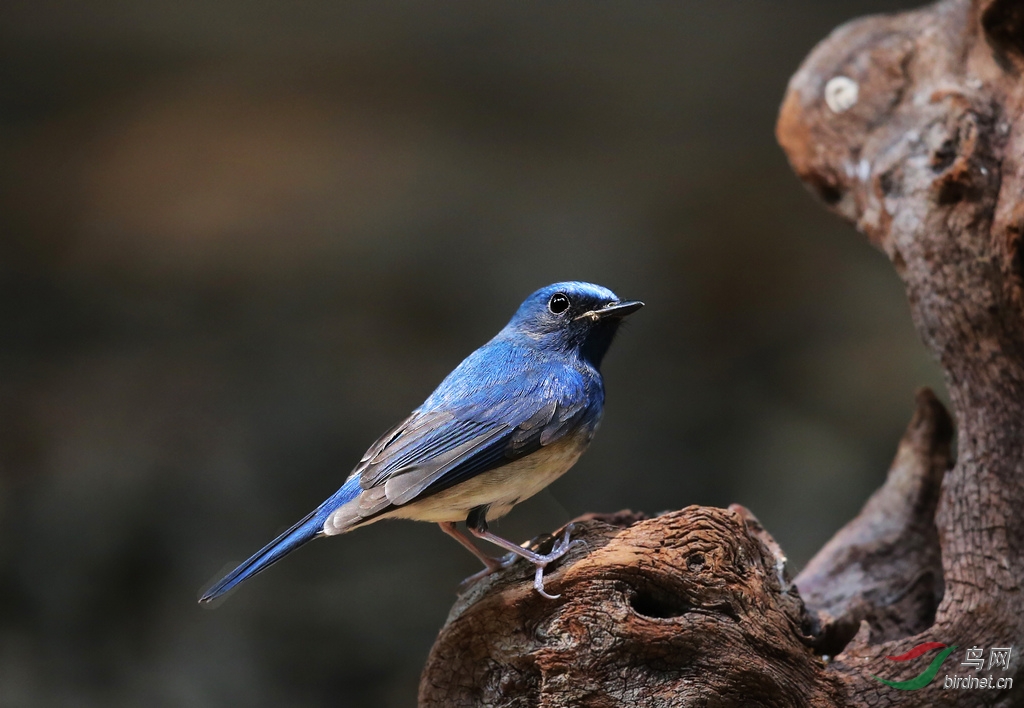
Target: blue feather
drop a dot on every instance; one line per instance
(298, 535)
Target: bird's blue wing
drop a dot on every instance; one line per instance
(458, 434)
(483, 452)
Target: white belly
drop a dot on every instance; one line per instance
(501, 488)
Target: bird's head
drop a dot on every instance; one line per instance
(572, 316)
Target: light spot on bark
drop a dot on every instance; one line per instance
(841, 93)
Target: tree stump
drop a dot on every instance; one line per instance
(911, 127)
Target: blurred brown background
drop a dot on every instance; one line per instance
(239, 240)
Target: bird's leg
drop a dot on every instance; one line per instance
(477, 524)
(492, 564)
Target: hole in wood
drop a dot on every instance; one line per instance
(659, 606)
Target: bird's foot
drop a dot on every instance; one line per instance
(493, 566)
(561, 547)
(539, 560)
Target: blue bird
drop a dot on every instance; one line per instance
(507, 422)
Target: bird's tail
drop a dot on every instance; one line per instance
(298, 535)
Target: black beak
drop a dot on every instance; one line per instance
(613, 309)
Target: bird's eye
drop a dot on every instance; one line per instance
(558, 303)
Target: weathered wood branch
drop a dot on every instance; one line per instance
(645, 615)
(911, 127)
(925, 157)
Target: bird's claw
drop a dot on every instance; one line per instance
(540, 561)
(538, 583)
(499, 564)
(507, 560)
(564, 544)
(561, 547)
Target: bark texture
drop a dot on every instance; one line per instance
(911, 127)
(927, 162)
(647, 612)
